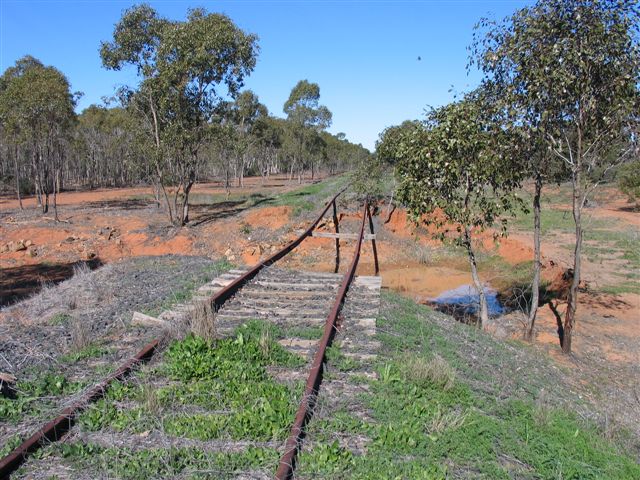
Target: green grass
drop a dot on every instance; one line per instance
(60, 318)
(302, 199)
(603, 238)
(164, 462)
(36, 395)
(307, 333)
(213, 390)
(90, 351)
(489, 422)
(310, 197)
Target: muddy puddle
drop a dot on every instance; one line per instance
(424, 282)
(446, 288)
(466, 300)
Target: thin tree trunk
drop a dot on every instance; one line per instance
(483, 316)
(178, 216)
(56, 187)
(15, 163)
(226, 181)
(185, 204)
(537, 264)
(578, 202)
(166, 199)
(156, 194)
(38, 192)
(572, 297)
(38, 181)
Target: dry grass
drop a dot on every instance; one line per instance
(265, 342)
(435, 370)
(80, 333)
(543, 408)
(150, 398)
(443, 421)
(202, 320)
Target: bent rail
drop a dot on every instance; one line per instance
(56, 428)
(223, 295)
(305, 410)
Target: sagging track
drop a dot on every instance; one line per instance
(59, 426)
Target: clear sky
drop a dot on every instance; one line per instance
(363, 54)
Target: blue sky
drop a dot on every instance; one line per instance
(363, 54)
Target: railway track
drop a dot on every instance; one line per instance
(342, 305)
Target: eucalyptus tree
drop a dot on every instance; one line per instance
(389, 140)
(107, 148)
(307, 118)
(568, 72)
(36, 110)
(182, 66)
(268, 132)
(245, 113)
(452, 173)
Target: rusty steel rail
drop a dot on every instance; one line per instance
(305, 410)
(218, 299)
(56, 428)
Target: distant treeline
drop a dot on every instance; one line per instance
(187, 120)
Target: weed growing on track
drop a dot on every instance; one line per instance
(233, 378)
(445, 405)
(165, 463)
(337, 360)
(90, 351)
(202, 390)
(36, 396)
(306, 333)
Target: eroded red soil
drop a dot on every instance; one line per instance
(107, 225)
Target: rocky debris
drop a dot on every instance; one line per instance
(141, 319)
(109, 232)
(18, 246)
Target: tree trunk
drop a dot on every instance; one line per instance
(579, 197)
(15, 163)
(291, 169)
(537, 264)
(56, 187)
(572, 297)
(38, 192)
(226, 182)
(178, 214)
(166, 200)
(185, 204)
(156, 194)
(483, 314)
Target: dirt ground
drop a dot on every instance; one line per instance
(103, 226)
